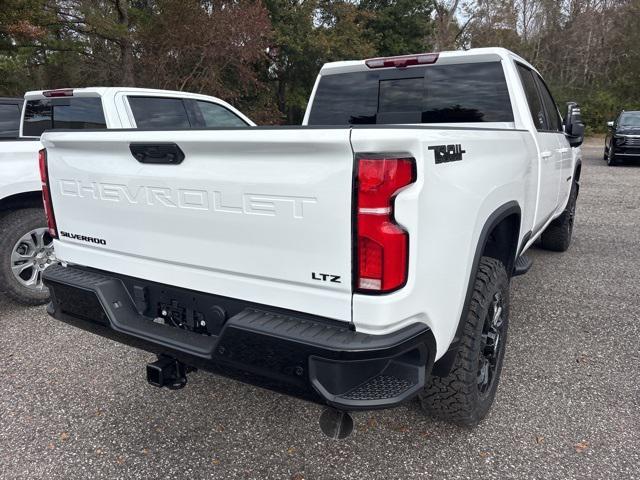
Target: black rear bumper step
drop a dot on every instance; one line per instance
(523, 265)
(297, 354)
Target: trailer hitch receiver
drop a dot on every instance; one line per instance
(167, 372)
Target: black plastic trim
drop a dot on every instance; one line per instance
(165, 153)
(522, 265)
(302, 355)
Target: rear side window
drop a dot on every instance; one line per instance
(159, 112)
(533, 98)
(474, 92)
(9, 120)
(214, 115)
(62, 113)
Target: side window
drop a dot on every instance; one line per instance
(217, 116)
(159, 112)
(9, 120)
(533, 98)
(473, 92)
(552, 110)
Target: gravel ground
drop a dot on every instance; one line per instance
(73, 405)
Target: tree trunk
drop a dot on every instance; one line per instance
(126, 47)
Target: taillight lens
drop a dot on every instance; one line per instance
(62, 92)
(46, 194)
(402, 61)
(382, 246)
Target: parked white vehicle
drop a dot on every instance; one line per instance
(358, 261)
(25, 246)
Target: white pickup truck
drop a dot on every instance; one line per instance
(359, 260)
(25, 246)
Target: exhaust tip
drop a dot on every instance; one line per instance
(336, 424)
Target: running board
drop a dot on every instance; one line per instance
(523, 265)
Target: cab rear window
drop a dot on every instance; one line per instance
(9, 120)
(472, 92)
(62, 113)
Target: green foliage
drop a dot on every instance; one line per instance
(264, 55)
(309, 33)
(397, 27)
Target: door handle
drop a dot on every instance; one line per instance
(157, 153)
(546, 154)
(563, 150)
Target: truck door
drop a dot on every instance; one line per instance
(549, 156)
(564, 149)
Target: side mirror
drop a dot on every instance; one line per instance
(610, 124)
(573, 126)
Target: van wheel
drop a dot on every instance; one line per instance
(26, 250)
(557, 236)
(466, 394)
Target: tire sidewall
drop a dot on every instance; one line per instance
(499, 285)
(13, 226)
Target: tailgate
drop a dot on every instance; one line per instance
(257, 214)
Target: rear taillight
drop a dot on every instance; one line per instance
(382, 246)
(46, 193)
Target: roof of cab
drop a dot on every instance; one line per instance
(102, 91)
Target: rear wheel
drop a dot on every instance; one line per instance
(26, 250)
(466, 394)
(557, 236)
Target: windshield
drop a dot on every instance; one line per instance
(629, 119)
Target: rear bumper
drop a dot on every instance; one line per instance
(293, 353)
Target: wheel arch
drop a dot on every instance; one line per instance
(32, 199)
(498, 239)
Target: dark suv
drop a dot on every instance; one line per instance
(623, 138)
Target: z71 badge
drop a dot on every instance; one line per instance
(447, 153)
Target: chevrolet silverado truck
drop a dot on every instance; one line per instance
(359, 260)
(26, 247)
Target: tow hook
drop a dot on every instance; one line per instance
(336, 424)
(167, 372)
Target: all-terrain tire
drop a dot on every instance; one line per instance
(13, 226)
(557, 236)
(461, 397)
